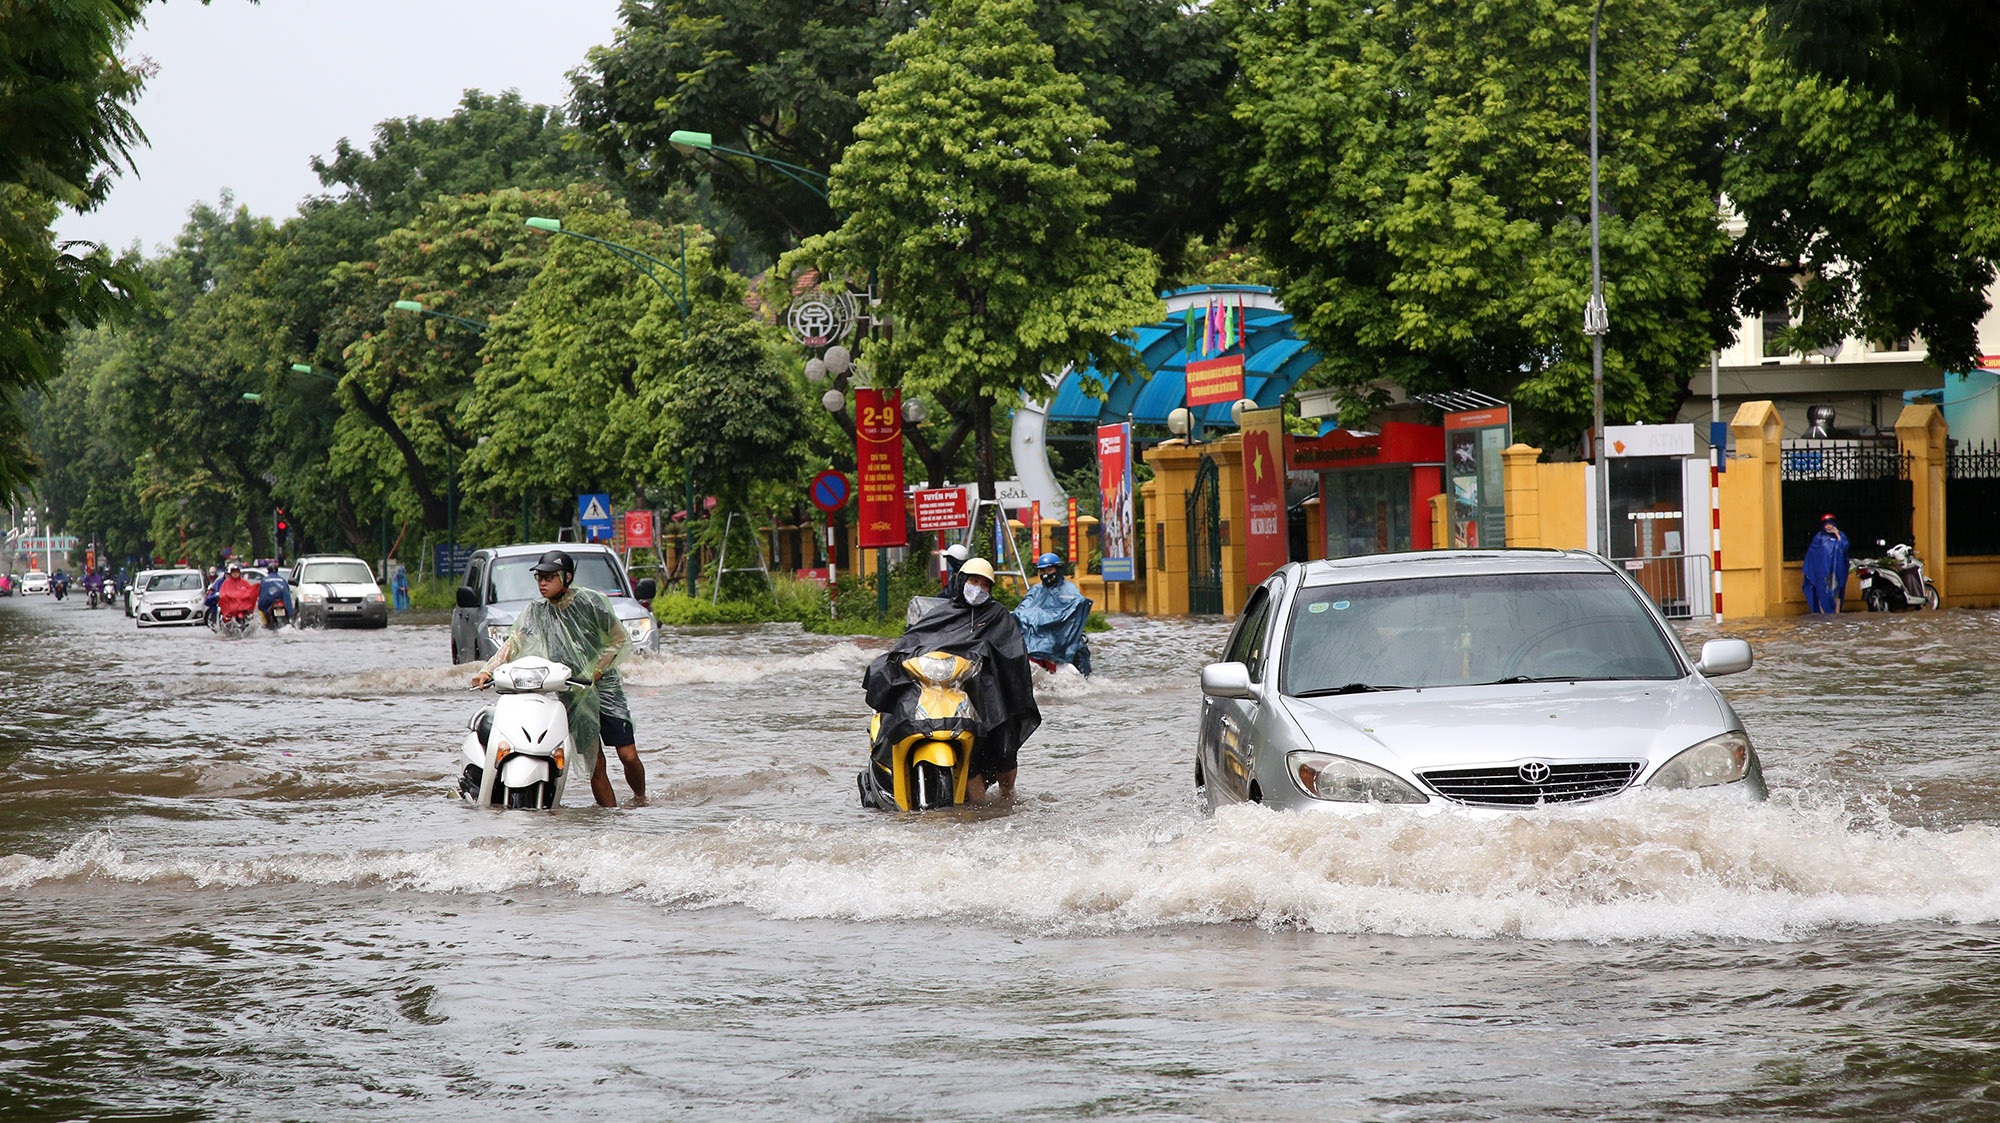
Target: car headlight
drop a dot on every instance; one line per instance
(375, 598)
(1336, 778)
(639, 629)
(498, 632)
(1718, 760)
(312, 596)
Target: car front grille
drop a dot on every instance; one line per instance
(1518, 786)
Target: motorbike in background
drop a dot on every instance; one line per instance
(517, 750)
(1895, 582)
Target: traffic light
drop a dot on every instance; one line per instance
(279, 521)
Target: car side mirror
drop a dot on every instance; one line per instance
(1724, 657)
(1226, 680)
(647, 589)
(468, 597)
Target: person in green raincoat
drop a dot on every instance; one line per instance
(577, 627)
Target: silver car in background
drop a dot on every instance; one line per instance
(1500, 679)
(171, 596)
(500, 582)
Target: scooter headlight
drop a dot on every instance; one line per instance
(1718, 760)
(529, 678)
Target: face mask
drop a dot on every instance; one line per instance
(1051, 578)
(975, 595)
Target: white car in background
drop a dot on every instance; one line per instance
(337, 589)
(130, 593)
(34, 581)
(170, 596)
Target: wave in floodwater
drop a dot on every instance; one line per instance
(1651, 870)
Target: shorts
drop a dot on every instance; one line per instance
(615, 730)
(614, 717)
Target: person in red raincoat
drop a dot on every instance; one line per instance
(237, 598)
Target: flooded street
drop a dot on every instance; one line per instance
(236, 883)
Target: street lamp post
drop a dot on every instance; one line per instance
(638, 259)
(688, 141)
(1596, 318)
(418, 308)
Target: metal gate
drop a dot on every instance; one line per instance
(1678, 583)
(1204, 523)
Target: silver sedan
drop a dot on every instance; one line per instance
(1499, 679)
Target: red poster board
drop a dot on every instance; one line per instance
(878, 467)
(941, 508)
(1266, 545)
(1213, 381)
(639, 530)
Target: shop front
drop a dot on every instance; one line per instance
(1374, 488)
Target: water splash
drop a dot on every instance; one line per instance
(1652, 870)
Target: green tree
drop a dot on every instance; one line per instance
(973, 191)
(1418, 172)
(1862, 218)
(784, 79)
(65, 127)
(1933, 60)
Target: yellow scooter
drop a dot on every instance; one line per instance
(921, 759)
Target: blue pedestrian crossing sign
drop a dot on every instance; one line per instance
(593, 514)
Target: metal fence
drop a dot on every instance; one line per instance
(1681, 584)
(1864, 484)
(1972, 496)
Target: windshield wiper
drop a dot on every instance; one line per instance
(1350, 688)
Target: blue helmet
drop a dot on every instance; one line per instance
(1047, 560)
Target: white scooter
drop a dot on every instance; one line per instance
(517, 750)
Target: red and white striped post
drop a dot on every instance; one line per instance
(1715, 525)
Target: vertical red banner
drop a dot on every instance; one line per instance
(878, 467)
(1075, 559)
(1035, 528)
(1268, 544)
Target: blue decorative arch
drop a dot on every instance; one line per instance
(1274, 358)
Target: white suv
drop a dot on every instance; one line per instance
(337, 589)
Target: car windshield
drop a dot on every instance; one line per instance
(1477, 629)
(514, 578)
(336, 573)
(174, 583)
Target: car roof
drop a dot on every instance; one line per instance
(304, 558)
(1448, 563)
(539, 548)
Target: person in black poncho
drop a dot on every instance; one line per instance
(972, 624)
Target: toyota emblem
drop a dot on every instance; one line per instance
(1534, 772)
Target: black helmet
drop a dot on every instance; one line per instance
(556, 561)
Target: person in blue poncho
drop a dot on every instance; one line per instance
(1826, 568)
(1052, 617)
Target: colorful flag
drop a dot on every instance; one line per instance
(1193, 330)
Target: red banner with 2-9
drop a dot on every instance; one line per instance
(878, 467)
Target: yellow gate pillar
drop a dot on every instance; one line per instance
(1920, 430)
(1753, 552)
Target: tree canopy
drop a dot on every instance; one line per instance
(973, 192)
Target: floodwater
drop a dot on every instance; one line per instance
(236, 884)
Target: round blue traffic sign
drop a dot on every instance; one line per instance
(830, 490)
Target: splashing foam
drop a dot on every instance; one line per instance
(1656, 870)
(682, 670)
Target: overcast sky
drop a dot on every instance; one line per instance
(247, 94)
